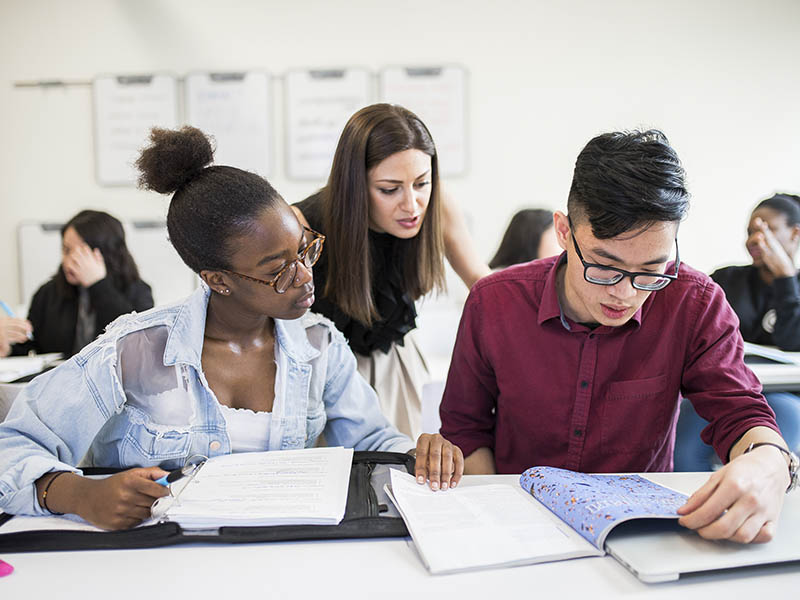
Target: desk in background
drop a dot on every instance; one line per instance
(356, 569)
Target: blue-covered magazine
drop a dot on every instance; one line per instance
(593, 504)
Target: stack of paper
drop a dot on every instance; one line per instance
(289, 487)
(14, 367)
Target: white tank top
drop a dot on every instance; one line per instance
(248, 430)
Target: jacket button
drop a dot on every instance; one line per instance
(215, 445)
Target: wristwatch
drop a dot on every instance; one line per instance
(794, 463)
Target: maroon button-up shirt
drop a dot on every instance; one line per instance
(539, 389)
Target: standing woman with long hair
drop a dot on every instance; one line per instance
(389, 228)
(96, 282)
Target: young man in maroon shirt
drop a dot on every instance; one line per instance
(579, 361)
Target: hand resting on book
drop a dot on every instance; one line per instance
(438, 461)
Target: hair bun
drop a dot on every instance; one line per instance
(173, 158)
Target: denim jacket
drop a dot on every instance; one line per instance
(137, 396)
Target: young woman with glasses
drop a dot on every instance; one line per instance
(389, 227)
(238, 366)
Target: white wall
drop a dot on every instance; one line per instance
(719, 77)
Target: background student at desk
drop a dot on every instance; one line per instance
(238, 366)
(96, 282)
(766, 298)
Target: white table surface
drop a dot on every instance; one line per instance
(385, 568)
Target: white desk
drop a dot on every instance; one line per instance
(777, 378)
(361, 569)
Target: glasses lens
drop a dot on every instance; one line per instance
(602, 276)
(644, 282)
(312, 256)
(286, 277)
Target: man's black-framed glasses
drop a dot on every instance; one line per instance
(604, 275)
(284, 278)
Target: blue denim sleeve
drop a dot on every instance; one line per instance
(51, 426)
(354, 417)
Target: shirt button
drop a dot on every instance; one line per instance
(584, 384)
(215, 445)
(578, 433)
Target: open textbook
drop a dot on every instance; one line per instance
(494, 525)
(754, 353)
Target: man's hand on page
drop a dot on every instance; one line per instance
(742, 501)
(438, 461)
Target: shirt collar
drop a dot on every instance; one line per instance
(185, 341)
(550, 308)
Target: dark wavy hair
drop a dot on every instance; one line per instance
(371, 135)
(786, 204)
(522, 237)
(627, 180)
(211, 205)
(102, 231)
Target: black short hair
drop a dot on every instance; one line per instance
(786, 204)
(627, 180)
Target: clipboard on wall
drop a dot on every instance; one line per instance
(437, 95)
(318, 104)
(125, 109)
(235, 108)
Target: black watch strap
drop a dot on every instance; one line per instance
(794, 462)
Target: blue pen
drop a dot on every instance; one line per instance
(177, 474)
(10, 313)
(7, 308)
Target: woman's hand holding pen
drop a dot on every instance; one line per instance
(13, 331)
(439, 462)
(120, 501)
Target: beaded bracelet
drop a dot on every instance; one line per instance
(46, 488)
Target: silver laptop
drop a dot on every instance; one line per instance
(658, 550)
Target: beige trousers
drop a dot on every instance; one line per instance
(397, 378)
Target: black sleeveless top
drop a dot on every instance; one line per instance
(395, 307)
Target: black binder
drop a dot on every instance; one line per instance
(362, 519)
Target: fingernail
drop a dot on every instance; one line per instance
(420, 479)
(434, 485)
(444, 485)
(453, 484)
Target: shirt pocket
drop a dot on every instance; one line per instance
(147, 443)
(315, 417)
(635, 415)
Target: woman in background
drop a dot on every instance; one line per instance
(766, 297)
(389, 228)
(530, 235)
(96, 282)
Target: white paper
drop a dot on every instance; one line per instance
(235, 110)
(14, 367)
(125, 109)
(318, 104)
(436, 95)
(481, 526)
(287, 487)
